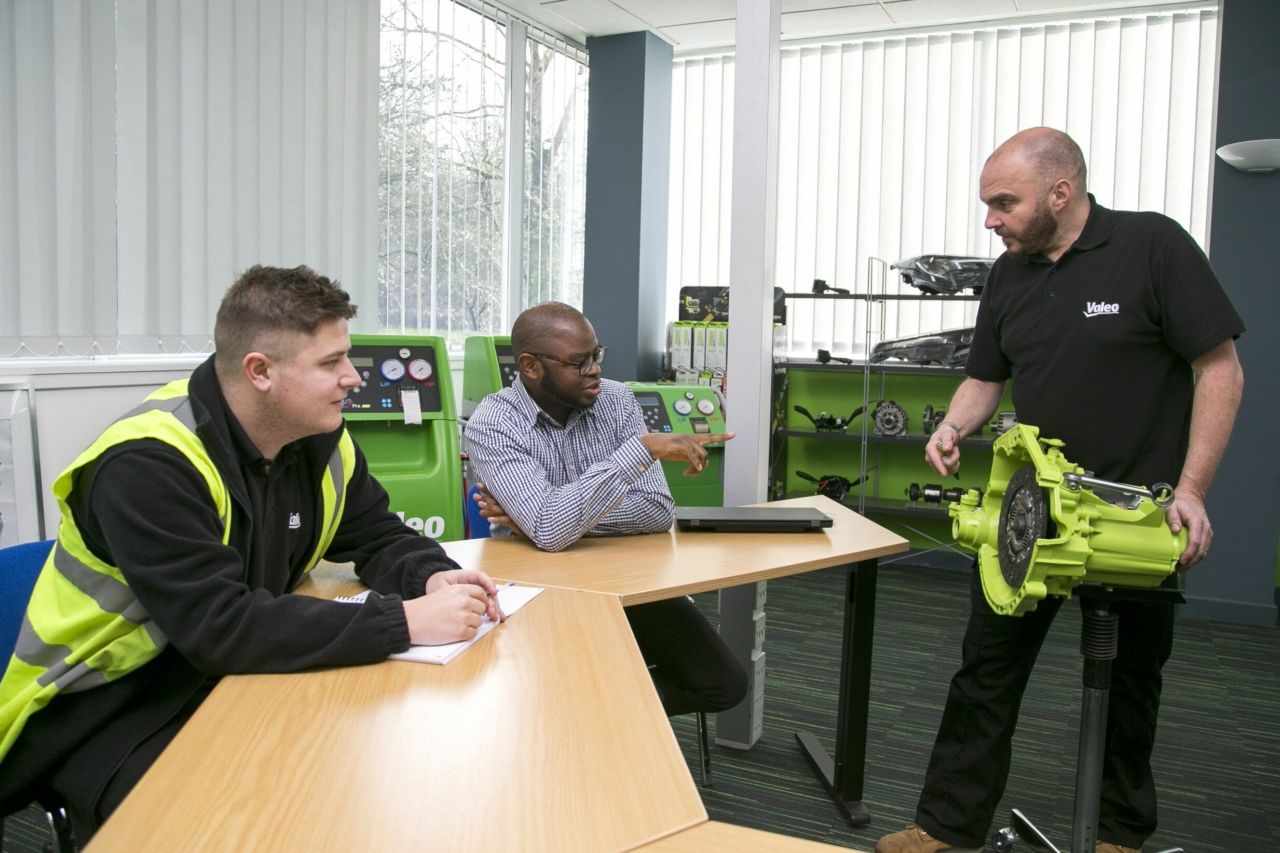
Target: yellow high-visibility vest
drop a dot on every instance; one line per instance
(83, 626)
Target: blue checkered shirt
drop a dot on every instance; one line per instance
(590, 477)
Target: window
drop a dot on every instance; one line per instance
(441, 158)
(882, 140)
(555, 175)
(454, 231)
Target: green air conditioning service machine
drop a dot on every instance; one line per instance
(488, 366)
(693, 410)
(403, 417)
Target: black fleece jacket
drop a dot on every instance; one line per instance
(224, 608)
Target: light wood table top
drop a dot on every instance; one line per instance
(545, 735)
(640, 569)
(716, 837)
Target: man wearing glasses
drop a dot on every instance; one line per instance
(564, 453)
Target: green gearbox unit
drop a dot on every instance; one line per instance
(404, 418)
(1045, 525)
(694, 410)
(488, 366)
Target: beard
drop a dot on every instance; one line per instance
(556, 394)
(1039, 233)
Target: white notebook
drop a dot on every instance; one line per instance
(510, 598)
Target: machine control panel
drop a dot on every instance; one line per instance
(506, 364)
(388, 370)
(655, 414)
(684, 409)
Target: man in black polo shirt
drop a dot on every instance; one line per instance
(1119, 341)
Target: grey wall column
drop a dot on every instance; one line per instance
(628, 170)
(1236, 582)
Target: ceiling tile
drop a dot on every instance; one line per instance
(810, 5)
(666, 13)
(1037, 7)
(697, 24)
(597, 17)
(543, 14)
(918, 13)
(827, 22)
(710, 34)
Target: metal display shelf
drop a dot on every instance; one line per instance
(903, 507)
(878, 492)
(888, 506)
(892, 297)
(878, 367)
(909, 438)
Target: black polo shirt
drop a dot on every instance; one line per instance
(1099, 344)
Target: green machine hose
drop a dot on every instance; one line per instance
(1045, 525)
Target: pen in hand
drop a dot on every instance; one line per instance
(496, 605)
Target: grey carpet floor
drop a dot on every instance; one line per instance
(1217, 757)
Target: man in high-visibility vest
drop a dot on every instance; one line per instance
(185, 527)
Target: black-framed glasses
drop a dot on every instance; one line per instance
(596, 357)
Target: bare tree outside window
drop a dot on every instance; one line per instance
(443, 102)
(555, 176)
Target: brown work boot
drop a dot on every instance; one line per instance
(1109, 847)
(913, 839)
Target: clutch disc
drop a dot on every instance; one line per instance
(1024, 518)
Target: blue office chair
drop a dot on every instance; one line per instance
(477, 524)
(19, 567)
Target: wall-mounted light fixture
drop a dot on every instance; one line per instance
(1252, 155)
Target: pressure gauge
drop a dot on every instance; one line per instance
(706, 406)
(392, 369)
(420, 369)
(682, 407)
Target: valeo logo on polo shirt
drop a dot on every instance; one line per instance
(1100, 309)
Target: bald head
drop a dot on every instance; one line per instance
(1033, 187)
(537, 328)
(1049, 153)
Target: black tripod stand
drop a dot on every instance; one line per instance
(1099, 639)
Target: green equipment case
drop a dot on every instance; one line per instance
(488, 366)
(693, 410)
(405, 420)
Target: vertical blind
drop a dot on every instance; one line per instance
(149, 152)
(882, 140)
(57, 176)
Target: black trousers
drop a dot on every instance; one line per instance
(970, 762)
(691, 666)
(90, 748)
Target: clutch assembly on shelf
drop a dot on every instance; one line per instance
(1044, 525)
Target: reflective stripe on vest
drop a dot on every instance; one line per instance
(83, 626)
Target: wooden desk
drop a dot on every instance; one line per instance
(520, 743)
(715, 837)
(638, 569)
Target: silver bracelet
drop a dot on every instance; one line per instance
(950, 424)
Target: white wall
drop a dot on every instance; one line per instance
(74, 400)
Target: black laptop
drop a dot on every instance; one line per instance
(751, 519)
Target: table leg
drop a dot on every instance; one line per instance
(843, 776)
